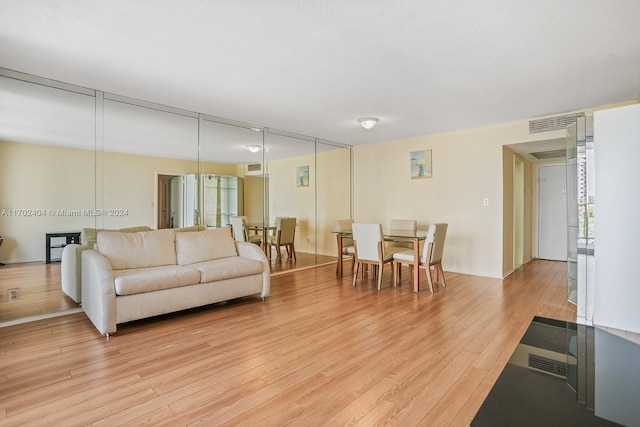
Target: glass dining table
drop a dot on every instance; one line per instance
(391, 236)
(259, 227)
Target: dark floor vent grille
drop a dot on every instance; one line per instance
(550, 366)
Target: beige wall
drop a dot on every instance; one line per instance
(467, 168)
(59, 181)
(43, 179)
(334, 196)
(332, 181)
(508, 201)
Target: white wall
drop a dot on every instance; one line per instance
(617, 201)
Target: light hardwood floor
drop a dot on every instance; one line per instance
(40, 292)
(317, 352)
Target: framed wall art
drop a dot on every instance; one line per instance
(421, 164)
(302, 176)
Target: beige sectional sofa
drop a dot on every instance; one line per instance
(131, 276)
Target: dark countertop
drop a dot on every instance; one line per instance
(564, 374)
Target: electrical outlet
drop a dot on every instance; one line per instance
(13, 294)
(485, 202)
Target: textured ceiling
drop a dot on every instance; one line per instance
(314, 67)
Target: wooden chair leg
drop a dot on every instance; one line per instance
(444, 282)
(380, 270)
(355, 274)
(427, 269)
(396, 272)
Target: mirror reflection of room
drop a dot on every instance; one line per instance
(101, 161)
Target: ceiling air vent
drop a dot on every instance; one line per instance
(553, 123)
(253, 169)
(547, 365)
(554, 154)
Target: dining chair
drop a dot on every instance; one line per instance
(401, 245)
(348, 249)
(370, 249)
(284, 235)
(431, 256)
(239, 230)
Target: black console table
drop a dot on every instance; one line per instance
(72, 237)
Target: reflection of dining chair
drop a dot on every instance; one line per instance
(239, 229)
(347, 244)
(370, 249)
(431, 255)
(284, 235)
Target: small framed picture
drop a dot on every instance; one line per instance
(302, 176)
(421, 164)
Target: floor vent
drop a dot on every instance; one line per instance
(553, 123)
(549, 366)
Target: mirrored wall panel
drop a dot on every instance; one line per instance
(333, 192)
(142, 148)
(74, 159)
(47, 165)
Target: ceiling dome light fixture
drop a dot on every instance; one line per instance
(368, 122)
(253, 148)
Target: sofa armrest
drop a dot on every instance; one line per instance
(253, 251)
(72, 271)
(98, 291)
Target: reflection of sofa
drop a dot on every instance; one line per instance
(72, 260)
(131, 276)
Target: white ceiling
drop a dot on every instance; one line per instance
(314, 67)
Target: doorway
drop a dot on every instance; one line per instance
(518, 220)
(177, 201)
(552, 212)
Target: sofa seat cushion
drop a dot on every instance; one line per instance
(138, 280)
(227, 268)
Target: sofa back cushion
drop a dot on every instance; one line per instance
(138, 250)
(198, 246)
(89, 236)
(190, 228)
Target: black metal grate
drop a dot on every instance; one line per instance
(547, 365)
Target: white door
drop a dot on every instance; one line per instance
(552, 212)
(176, 201)
(191, 211)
